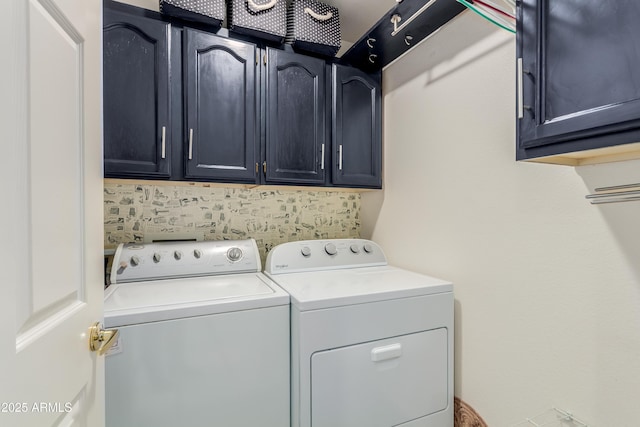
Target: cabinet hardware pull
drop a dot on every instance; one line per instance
(264, 167)
(190, 144)
(322, 158)
(395, 21)
(372, 58)
(264, 59)
(317, 16)
(520, 90)
(340, 157)
(407, 40)
(164, 146)
(370, 42)
(257, 168)
(260, 7)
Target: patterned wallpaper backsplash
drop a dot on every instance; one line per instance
(145, 212)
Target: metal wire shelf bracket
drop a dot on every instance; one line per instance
(615, 194)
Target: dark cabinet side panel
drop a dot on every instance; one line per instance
(579, 79)
(137, 129)
(357, 138)
(220, 101)
(295, 118)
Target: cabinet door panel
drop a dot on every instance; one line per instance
(357, 140)
(579, 71)
(220, 102)
(295, 118)
(137, 135)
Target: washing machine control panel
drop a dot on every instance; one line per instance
(309, 255)
(166, 260)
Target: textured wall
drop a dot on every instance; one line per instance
(139, 212)
(547, 286)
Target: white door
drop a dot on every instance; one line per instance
(51, 210)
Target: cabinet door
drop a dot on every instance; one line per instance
(220, 103)
(357, 139)
(577, 69)
(295, 118)
(137, 135)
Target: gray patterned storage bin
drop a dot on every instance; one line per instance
(210, 12)
(266, 19)
(314, 27)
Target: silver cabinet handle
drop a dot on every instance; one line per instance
(322, 158)
(340, 157)
(164, 145)
(190, 144)
(520, 89)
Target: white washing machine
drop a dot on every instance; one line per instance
(371, 344)
(204, 338)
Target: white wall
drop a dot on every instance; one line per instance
(547, 286)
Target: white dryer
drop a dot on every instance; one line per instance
(204, 337)
(371, 344)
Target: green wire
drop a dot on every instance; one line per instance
(472, 7)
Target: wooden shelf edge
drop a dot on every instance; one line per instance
(618, 153)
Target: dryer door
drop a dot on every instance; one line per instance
(382, 383)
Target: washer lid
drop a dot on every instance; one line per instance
(334, 288)
(152, 301)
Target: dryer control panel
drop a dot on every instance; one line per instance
(332, 254)
(167, 260)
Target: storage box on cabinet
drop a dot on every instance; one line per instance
(265, 19)
(210, 12)
(314, 27)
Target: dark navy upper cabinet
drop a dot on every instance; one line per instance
(356, 128)
(295, 117)
(219, 83)
(137, 125)
(578, 85)
(182, 103)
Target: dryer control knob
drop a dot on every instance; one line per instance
(197, 253)
(355, 249)
(177, 255)
(305, 251)
(330, 249)
(367, 248)
(156, 257)
(134, 260)
(234, 254)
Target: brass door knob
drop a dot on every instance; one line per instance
(101, 340)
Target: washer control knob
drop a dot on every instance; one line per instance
(305, 251)
(367, 248)
(156, 257)
(134, 260)
(177, 255)
(234, 254)
(355, 249)
(330, 249)
(197, 253)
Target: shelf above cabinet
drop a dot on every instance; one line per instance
(386, 41)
